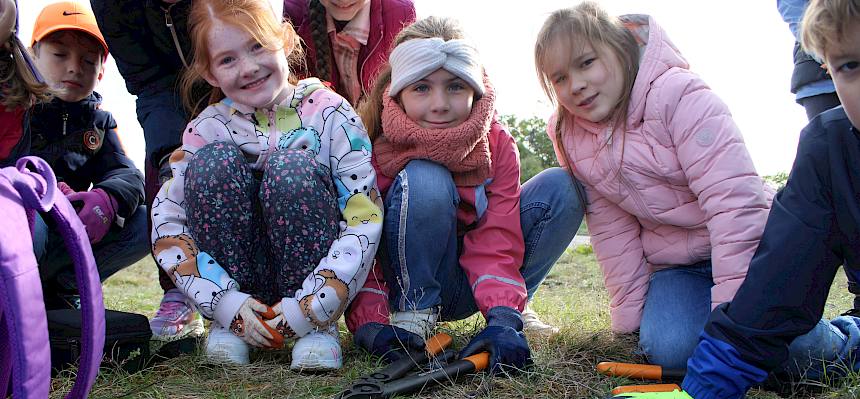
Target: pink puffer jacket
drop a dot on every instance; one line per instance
(676, 187)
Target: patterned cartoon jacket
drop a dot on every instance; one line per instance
(313, 118)
(387, 18)
(676, 187)
(80, 142)
(493, 247)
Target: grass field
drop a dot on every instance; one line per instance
(572, 298)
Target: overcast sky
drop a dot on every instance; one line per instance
(741, 48)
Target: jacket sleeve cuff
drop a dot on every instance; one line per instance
(625, 320)
(506, 317)
(229, 305)
(716, 370)
(294, 316)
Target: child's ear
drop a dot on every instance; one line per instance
(289, 46)
(102, 71)
(209, 78)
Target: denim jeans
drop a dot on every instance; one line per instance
(676, 308)
(830, 348)
(120, 248)
(421, 247)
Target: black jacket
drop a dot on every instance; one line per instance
(80, 142)
(149, 40)
(142, 44)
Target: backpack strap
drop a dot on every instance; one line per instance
(22, 189)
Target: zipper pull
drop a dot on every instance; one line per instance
(168, 21)
(65, 119)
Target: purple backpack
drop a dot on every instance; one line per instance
(24, 351)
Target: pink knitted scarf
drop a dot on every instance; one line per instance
(463, 149)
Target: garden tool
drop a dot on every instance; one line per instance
(393, 379)
(640, 371)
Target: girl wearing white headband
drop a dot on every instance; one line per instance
(457, 222)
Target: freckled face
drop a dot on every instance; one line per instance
(244, 70)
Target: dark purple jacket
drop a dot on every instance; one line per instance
(387, 18)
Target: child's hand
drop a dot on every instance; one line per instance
(65, 189)
(250, 326)
(504, 339)
(390, 342)
(97, 210)
(278, 322)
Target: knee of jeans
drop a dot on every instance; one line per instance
(563, 190)
(827, 340)
(429, 184)
(667, 349)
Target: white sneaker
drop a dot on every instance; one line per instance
(318, 351)
(223, 346)
(420, 322)
(533, 324)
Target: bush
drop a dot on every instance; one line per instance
(778, 180)
(536, 152)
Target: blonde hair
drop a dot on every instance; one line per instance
(586, 23)
(20, 86)
(370, 109)
(825, 22)
(255, 17)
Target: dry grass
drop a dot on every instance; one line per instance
(572, 298)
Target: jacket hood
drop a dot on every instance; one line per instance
(657, 55)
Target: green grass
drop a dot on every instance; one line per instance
(572, 298)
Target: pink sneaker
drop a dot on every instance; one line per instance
(175, 319)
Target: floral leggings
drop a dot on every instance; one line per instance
(268, 229)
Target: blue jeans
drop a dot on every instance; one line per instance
(120, 248)
(676, 308)
(421, 247)
(830, 348)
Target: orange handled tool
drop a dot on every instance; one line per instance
(640, 371)
(393, 379)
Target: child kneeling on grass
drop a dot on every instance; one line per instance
(269, 202)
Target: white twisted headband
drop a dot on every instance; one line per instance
(414, 59)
